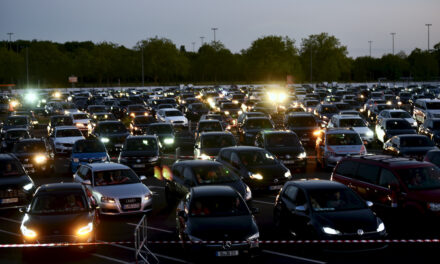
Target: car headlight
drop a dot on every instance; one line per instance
(168, 141)
(316, 133)
(370, 133)
(105, 199)
(287, 174)
(435, 207)
(104, 158)
(148, 196)
(204, 157)
(105, 140)
(39, 159)
(255, 176)
(240, 112)
(153, 159)
(226, 112)
(330, 231)
(85, 229)
(415, 123)
(76, 160)
(253, 237)
(302, 155)
(248, 193)
(27, 232)
(28, 186)
(380, 226)
(80, 125)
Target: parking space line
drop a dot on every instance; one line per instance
(10, 220)
(9, 233)
(293, 257)
(263, 202)
(109, 258)
(154, 228)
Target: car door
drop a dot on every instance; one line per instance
(366, 179)
(177, 182)
(385, 197)
(299, 213)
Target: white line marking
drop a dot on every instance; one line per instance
(10, 220)
(154, 228)
(9, 233)
(263, 202)
(111, 259)
(293, 257)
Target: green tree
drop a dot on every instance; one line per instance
(424, 65)
(12, 66)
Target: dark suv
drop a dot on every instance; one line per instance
(396, 186)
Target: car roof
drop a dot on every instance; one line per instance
(388, 160)
(312, 184)
(109, 122)
(107, 166)
(347, 116)
(16, 129)
(196, 163)
(410, 135)
(277, 132)
(209, 121)
(64, 186)
(7, 156)
(216, 133)
(243, 148)
(65, 127)
(339, 130)
(213, 191)
(142, 137)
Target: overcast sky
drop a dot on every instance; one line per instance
(239, 22)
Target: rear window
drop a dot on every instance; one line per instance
(343, 139)
(368, 173)
(29, 147)
(422, 178)
(302, 121)
(216, 141)
(258, 124)
(88, 146)
(400, 115)
(280, 140)
(355, 122)
(10, 168)
(416, 142)
(329, 109)
(347, 168)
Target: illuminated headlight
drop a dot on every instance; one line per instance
(235, 101)
(132, 114)
(240, 112)
(302, 155)
(255, 176)
(168, 141)
(380, 226)
(148, 197)
(324, 117)
(145, 114)
(204, 157)
(28, 186)
(27, 232)
(85, 229)
(248, 193)
(435, 207)
(415, 123)
(105, 140)
(316, 133)
(370, 133)
(39, 159)
(14, 103)
(389, 102)
(399, 103)
(330, 231)
(287, 174)
(226, 112)
(107, 200)
(80, 125)
(76, 160)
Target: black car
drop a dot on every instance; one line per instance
(208, 144)
(415, 146)
(258, 168)
(16, 187)
(136, 110)
(165, 133)
(33, 154)
(286, 146)
(325, 111)
(191, 173)
(112, 134)
(59, 120)
(139, 124)
(318, 209)
(431, 128)
(251, 127)
(217, 213)
(195, 111)
(208, 125)
(60, 213)
(12, 136)
(433, 156)
(141, 153)
(304, 125)
(16, 122)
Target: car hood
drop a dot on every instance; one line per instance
(123, 190)
(348, 221)
(139, 154)
(16, 181)
(362, 130)
(69, 140)
(269, 171)
(282, 151)
(57, 224)
(222, 228)
(345, 149)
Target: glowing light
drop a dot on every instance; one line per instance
(40, 159)
(158, 173)
(85, 229)
(167, 174)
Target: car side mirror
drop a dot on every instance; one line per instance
(369, 204)
(255, 210)
(143, 178)
(87, 182)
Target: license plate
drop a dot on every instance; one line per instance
(118, 145)
(305, 139)
(9, 200)
(288, 161)
(229, 253)
(131, 206)
(139, 166)
(28, 165)
(275, 187)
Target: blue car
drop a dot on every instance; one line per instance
(88, 151)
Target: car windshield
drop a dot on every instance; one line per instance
(144, 120)
(80, 116)
(197, 107)
(256, 158)
(433, 105)
(218, 141)
(136, 108)
(421, 178)
(68, 133)
(112, 128)
(329, 109)
(17, 134)
(140, 144)
(218, 206)
(62, 121)
(115, 177)
(59, 203)
(344, 106)
(10, 168)
(335, 200)
(173, 113)
(214, 175)
(384, 106)
(400, 114)
(68, 106)
(343, 139)
(104, 117)
(398, 124)
(29, 147)
(162, 129)
(88, 146)
(213, 117)
(258, 124)
(416, 142)
(282, 140)
(302, 121)
(210, 126)
(355, 122)
(16, 121)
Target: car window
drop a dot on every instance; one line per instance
(188, 175)
(87, 174)
(387, 178)
(347, 168)
(367, 173)
(226, 155)
(291, 192)
(177, 172)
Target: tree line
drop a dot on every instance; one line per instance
(318, 58)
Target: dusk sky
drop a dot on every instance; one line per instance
(239, 21)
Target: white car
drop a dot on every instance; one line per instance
(63, 138)
(172, 116)
(396, 113)
(82, 122)
(426, 109)
(355, 122)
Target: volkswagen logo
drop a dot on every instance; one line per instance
(227, 244)
(288, 156)
(360, 232)
(90, 160)
(138, 160)
(275, 181)
(9, 190)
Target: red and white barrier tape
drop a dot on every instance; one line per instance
(62, 244)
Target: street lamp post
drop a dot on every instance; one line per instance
(201, 40)
(194, 46)
(428, 25)
(393, 34)
(10, 39)
(369, 42)
(214, 29)
(142, 59)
